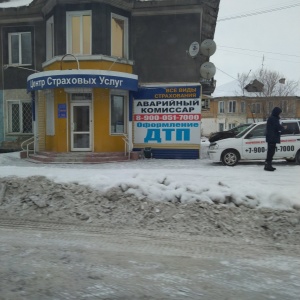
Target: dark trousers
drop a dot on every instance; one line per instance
(270, 152)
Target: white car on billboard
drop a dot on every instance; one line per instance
(251, 144)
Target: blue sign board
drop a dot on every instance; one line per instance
(169, 114)
(82, 79)
(62, 111)
(169, 92)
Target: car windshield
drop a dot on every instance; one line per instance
(245, 131)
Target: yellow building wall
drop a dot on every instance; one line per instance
(103, 141)
(90, 65)
(59, 142)
(41, 120)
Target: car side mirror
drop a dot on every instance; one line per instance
(248, 136)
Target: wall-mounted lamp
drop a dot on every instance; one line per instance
(68, 54)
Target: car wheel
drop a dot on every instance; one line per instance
(297, 158)
(230, 157)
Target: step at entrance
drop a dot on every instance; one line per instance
(77, 157)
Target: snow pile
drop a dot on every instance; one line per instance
(40, 199)
(193, 196)
(184, 181)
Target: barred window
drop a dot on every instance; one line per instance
(19, 116)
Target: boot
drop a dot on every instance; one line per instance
(268, 167)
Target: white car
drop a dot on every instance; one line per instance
(251, 144)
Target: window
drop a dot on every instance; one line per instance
(20, 48)
(290, 128)
(258, 110)
(205, 104)
(232, 106)
(271, 106)
(221, 107)
(19, 116)
(117, 114)
(221, 126)
(119, 36)
(79, 32)
(231, 125)
(258, 131)
(50, 38)
(243, 107)
(284, 106)
(255, 108)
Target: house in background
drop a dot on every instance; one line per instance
(223, 113)
(72, 66)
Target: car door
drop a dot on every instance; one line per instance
(254, 143)
(289, 141)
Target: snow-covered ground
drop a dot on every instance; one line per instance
(181, 228)
(170, 180)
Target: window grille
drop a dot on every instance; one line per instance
(19, 117)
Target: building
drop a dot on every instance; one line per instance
(223, 113)
(72, 67)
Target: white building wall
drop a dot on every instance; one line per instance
(232, 119)
(208, 125)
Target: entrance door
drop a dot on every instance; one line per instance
(81, 126)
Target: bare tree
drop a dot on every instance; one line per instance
(274, 83)
(243, 80)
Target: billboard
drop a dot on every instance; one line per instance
(166, 115)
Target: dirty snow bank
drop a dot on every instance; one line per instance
(41, 199)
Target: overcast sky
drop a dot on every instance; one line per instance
(273, 35)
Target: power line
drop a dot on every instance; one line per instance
(250, 14)
(276, 53)
(260, 56)
(226, 74)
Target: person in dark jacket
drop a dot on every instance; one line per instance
(273, 132)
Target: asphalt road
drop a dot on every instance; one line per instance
(51, 261)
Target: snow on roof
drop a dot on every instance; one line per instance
(15, 3)
(229, 89)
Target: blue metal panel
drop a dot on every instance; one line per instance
(173, 153)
